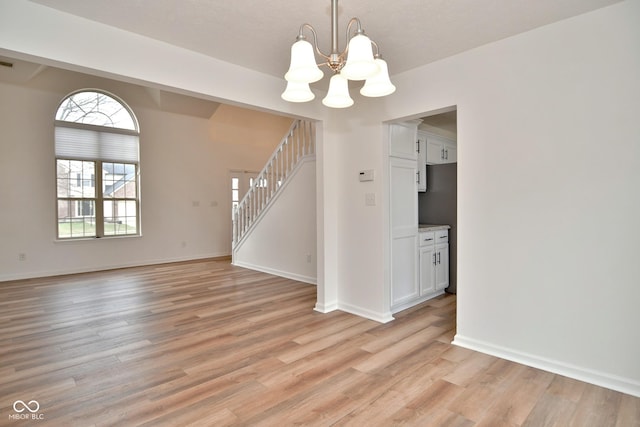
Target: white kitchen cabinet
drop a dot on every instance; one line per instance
(406, 142)
(434, 261)
(403, 216)
(418, 271)
(403, 140)
(433, 270)
(422, 161)
(440, 150)
(441, 259)
(427, 256)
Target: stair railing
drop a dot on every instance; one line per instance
(298, 143)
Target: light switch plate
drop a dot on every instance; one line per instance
(366, 175)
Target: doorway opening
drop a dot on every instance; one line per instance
(422, 205)
(438, 204)
(240, 183)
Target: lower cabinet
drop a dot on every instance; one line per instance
(433, 271)
(434, 261)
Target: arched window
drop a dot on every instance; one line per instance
(97, 166)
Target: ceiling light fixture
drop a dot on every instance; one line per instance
(356, 62)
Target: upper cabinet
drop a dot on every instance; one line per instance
(422, 162)
(406, 142)
(440, 149)
(403, 139)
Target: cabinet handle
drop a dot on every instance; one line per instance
(446, 154)
(418, 177)
(443, 237)
(429, 239)
(438, 257)
(418, 146)
(442, 154)
(434, 258)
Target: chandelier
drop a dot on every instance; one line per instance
(356, 62)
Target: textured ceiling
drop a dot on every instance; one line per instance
(258, 34)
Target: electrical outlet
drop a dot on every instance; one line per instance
(22, 257)
(370, 199)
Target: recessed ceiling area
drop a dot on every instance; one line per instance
(24, 73)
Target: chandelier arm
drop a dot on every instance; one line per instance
(359, 30)
(315, 39)
(377, 54)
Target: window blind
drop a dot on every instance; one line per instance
(90, 144)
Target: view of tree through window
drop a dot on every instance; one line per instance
(97, 167)
(95, 108)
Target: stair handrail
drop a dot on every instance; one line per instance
(298, 143)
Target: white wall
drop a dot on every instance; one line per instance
(185, 162)
(360, 144)
(283, 241)
(548, 200)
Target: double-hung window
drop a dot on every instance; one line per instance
(97, 167)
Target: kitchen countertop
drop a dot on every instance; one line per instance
(432, 227)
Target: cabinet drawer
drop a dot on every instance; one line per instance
(442, 236)
(427, 238)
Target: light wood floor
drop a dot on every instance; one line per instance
(204, 343)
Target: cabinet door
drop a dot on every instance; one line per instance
(403, 216)
(442, 267)
(427, 270)
(440, 150)
(434, 152)
(403, 140)
(450, 154)
(404, 268)
(422, 162)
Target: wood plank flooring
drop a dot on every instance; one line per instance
(204, 343)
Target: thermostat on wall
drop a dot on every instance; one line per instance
(366, 175)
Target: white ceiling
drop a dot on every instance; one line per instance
(258, 34)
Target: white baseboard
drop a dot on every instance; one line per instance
(319, 307)
(326, 308)
(276, 272)
(413, 302)
(368, 314)
(96, 268)
(602, 379)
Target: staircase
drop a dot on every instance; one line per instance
(298, 144)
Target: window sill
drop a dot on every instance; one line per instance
(93, 239)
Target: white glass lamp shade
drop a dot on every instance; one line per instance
(297, 92)
(379, 84)
(360, 64)
(303, 67)
(338, 95)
